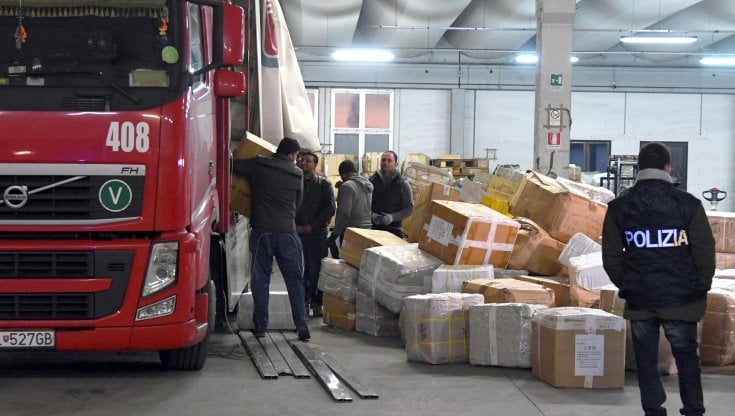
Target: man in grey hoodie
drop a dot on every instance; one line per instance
(354, 198)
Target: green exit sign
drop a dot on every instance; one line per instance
(555, 82)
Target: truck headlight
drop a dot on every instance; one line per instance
(162, 267)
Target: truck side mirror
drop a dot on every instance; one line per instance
(233, 35)
(229, 83)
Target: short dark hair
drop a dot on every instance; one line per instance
(307, 152)
(653, 155)
(395, 155)
(347, 166)
(288, 146)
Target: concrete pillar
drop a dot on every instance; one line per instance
(456, 124)
(554, 19)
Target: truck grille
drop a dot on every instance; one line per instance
(47, 306)
(44, 264)
(115, 265)
(70, 194)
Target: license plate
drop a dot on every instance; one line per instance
(27, 339)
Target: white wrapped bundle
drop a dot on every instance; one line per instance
(595, 193)
(579, 244)
(373, 319)
(436, 325)
(449, 278)
(338, 278)
(500, 334)
(586, 271)
(390, 273)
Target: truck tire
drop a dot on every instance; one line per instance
(191, 358)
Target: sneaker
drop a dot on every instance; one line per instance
(317, 310)
(258, 334)
(303, 333)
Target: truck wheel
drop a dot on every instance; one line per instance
(193, 357)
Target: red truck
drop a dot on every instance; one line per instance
(114, 173)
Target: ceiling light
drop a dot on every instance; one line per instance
(725, 60)
(532, 58)
(660, 40)
(362, 55)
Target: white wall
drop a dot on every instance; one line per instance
(504, 120)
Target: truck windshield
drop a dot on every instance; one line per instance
(89, 55)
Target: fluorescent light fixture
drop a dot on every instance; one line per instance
(725, 60)
(532, 58)
(658, 40)
(362, 55)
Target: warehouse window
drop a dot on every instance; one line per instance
(362, 121)
(590, 155)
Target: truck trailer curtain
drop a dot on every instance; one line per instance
(285, 108)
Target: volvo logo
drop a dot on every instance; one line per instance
(15, 196)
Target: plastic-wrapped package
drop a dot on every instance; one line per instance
(725, 274)
(373, 319)
(576, 246)
(500, 334)
(470, 191)
(390, 273)
(436, 327)
(594, 193)
(449, 278)
(338, 278)
(586, 278)
(420, 175)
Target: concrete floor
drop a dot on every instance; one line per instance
(67, 384)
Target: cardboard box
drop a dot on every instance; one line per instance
(332, 161)
(414, 158)
(462, 233)
(510, 290)
(500, 205)
(578, 347)
(436, 327)
(250, 147)
(556, 208)
(358, 240)
(723, 228)
(559, 284)
(535, 250)
(725, 261)
(500, 334)
(338, 313)
(419, 176)
(414, 224)
(502, 188)
(371, 162)
(718, 326)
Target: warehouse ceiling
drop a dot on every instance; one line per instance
(495, 31)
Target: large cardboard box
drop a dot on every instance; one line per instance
(501, 188)
(358, 240)
(578, 347)
(250, 146)
(535, 250)
(725, 261)
(414, 224)
(718, 327)
(500, 334)
(436, 327)
(462, 233)
(561, 211)
(510, 290)
(338, 313)
(559, 284)
(723, 228)
(370, 162)
(419, 176)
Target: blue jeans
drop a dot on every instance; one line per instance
(286, 248)
(683, 339)
(315, 250)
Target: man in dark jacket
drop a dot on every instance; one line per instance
(392, 196)
(312, 220)
(658, 249)
(276, 187)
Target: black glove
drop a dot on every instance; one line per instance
(331, 240)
